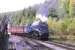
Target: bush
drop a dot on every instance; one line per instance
(63, 27)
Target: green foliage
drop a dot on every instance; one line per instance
(23, 17)
(63, 27)
(71, 27)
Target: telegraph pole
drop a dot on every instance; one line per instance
(4, 34)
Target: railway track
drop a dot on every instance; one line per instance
(27, 44)
(32, 44)
(64, 45)
(55, 46)
(70, 45)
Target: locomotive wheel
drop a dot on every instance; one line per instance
(44, 37)
(35, 35)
